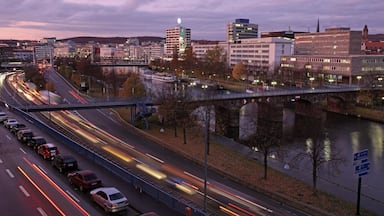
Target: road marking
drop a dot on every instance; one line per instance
(22, 150)
(8, 137)
(42, 169)
(9, 173)
(154, 158)
(41, 211)
(193, 176)
(73, 196)
(1, 161)
(24, 191)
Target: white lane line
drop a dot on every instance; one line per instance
(24, 191)
(8, 137)
(41, 211)
(154, 158)
(73, 196)
(10, 173)
(22, 150)
(193, 176)
(1, 161)
(41, 168)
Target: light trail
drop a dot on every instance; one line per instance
(54, 185)
(41, 191)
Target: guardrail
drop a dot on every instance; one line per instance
(170, 200)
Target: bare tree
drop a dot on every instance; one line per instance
(175, 110)
(268, 135)
(318, 151)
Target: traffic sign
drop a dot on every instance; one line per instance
(361, 162)
(360, 155)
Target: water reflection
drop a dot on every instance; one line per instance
(344, 136)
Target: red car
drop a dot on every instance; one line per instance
(47, 151)
(84, 180)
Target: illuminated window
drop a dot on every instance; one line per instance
(293, 59)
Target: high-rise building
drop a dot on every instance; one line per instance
(241, 29)
(177, 38)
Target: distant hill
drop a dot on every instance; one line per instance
(105, 40)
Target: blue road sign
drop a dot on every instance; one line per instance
(361, 162)
(360, 155)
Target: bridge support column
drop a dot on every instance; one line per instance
(270, 116)
(227, 121)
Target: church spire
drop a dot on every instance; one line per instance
(318, 25)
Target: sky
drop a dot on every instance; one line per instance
(36, 19)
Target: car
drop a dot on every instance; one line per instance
(15, 128)
(47, 151)
(9, 122)
(84, 180)
(64, 163)
(24, 135)
(110, 199)
(3, 117)
(36, 141)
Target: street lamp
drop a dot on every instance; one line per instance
(358, 80)
(311, 79)
(273, 83)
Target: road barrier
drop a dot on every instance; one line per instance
(143, 186)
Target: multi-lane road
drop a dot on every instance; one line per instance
(222, 192)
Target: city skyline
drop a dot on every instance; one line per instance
(33, 20)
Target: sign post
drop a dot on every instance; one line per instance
(361, 164)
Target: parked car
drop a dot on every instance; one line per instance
(9, 122)
(3, 117)
(15, 128)
(24, 135)
(64, 163)
(84, 180)
(36, 141)
(110, 199)
(47, 151)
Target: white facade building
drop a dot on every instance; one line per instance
(260, 54)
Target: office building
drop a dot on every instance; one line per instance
(260, 55)
(334, 56)
(241, 29)
(178, 39)
(333, 41)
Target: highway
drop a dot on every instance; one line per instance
(125, 145)
(23, 193)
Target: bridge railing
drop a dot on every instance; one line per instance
(173, 202)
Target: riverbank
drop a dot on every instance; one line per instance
(232, 164)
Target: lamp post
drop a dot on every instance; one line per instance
(358, 80)
(206, 149)
(311, 79)
(273, 83)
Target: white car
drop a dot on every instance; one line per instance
(9, 122)
(110, 199)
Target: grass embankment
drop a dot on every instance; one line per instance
(249, 172)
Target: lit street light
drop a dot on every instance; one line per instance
(312, 79)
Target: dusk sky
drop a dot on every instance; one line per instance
(35, 19)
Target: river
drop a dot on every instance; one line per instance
(346, 135)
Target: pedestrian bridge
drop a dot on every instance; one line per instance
(205, 98)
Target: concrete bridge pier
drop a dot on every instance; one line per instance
(227, 121)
